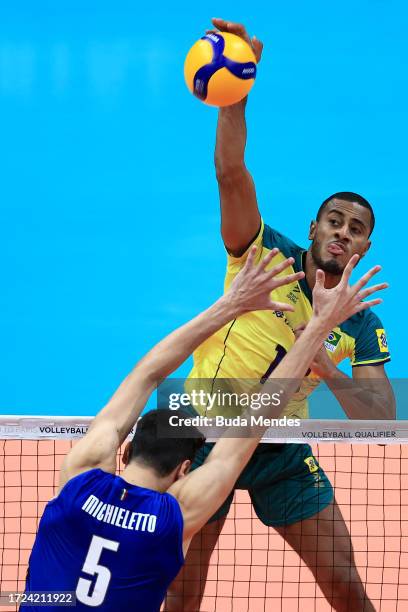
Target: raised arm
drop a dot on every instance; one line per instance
(240, 218)
(202, 492)
(250, 291)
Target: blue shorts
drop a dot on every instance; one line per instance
(284, 481)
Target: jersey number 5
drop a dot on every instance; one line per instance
(92, 567)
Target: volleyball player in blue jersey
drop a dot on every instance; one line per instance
(118, 542)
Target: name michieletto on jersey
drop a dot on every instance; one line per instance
(120, 517)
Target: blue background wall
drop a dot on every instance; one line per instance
(109, 213)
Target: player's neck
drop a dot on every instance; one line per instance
(310, 267)
(143, 476)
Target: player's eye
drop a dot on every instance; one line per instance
(333, 222)
(356, 230)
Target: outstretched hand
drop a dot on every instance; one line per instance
(239, 30)
(333, 306)
(251, 288)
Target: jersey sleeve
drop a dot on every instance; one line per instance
(371, 346)
(268, 239)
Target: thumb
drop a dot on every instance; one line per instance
(257, 46)
(320, 278)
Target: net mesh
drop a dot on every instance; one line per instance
(252, 569)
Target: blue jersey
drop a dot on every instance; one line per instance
(116, 545)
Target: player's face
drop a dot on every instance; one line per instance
(342, 231)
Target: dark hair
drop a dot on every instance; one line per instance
(348, 196)
(154, 442)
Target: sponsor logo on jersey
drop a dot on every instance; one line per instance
(332, 341)
(382, 340)
(281, 315)
(311, 464)
(292, 295)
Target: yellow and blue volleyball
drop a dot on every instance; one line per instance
(220, 69)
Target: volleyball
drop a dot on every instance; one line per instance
(220, 69)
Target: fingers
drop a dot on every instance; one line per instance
(257, 46)
(279, 267)
(286, 280)
(228, 26)
(320, 278)
(364, 305)
(219, 23)
(349, 268)
(239, 29)
(281, 306)
(370, 290)
(267, 259)
(263, 263)
(251, 257)
(365, 278)
(233, 28)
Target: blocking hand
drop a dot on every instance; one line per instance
(333, 306)
(251, 288)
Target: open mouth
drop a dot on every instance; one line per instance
(336, 248)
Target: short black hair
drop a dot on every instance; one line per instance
(154, 443)
(348, 196)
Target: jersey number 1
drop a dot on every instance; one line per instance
(92, 567)
(280, 353)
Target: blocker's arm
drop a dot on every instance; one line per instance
(204, 490)
(250, 291)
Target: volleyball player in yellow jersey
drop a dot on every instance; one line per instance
(286, 490)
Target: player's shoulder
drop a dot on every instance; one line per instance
(370, 343)
(84, 479)
(170, 501)
(362, 324)
(94, 474)
(273, 239)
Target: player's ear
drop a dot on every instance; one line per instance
(312, 230)
(127, 453)
(366, 248)
(183, 469)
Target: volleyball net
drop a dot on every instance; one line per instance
(251, 568)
